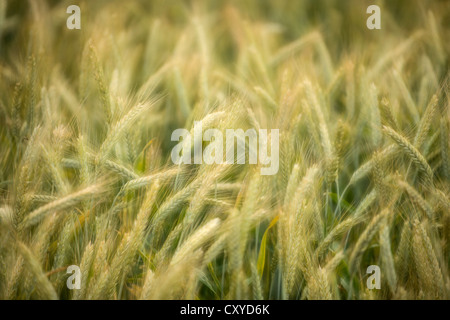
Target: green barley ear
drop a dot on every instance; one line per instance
(387, 114)
(292, 185)
(147, 287)
(378, 174)
(121, 170)
(341, 139)
(371, 99)
(409, 101)
(438, 280)
(99, 266)
(100, 79)
(180, 91)
(444, 148)
(85, 266)
(425, 122)
(199, 238)
(43, 285)
(162, 256)
(403, 253)
(83, 157)
(318, 287)
(31, 92)
(365, 238)
(367, 167)
(215, 249)
(63, 252)
(387, 258)
(421, 263)
(417, 199)
(23, 180)
(256, 283)
(118, 129)
(61, 204)
(266, 98)
(334, 262)
(340, 229)
(163, 175)
(322, 128)
(127, 249)
(16, 110)
(410, 151)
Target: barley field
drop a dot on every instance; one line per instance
(87, 180)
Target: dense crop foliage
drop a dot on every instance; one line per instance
(86, 176)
